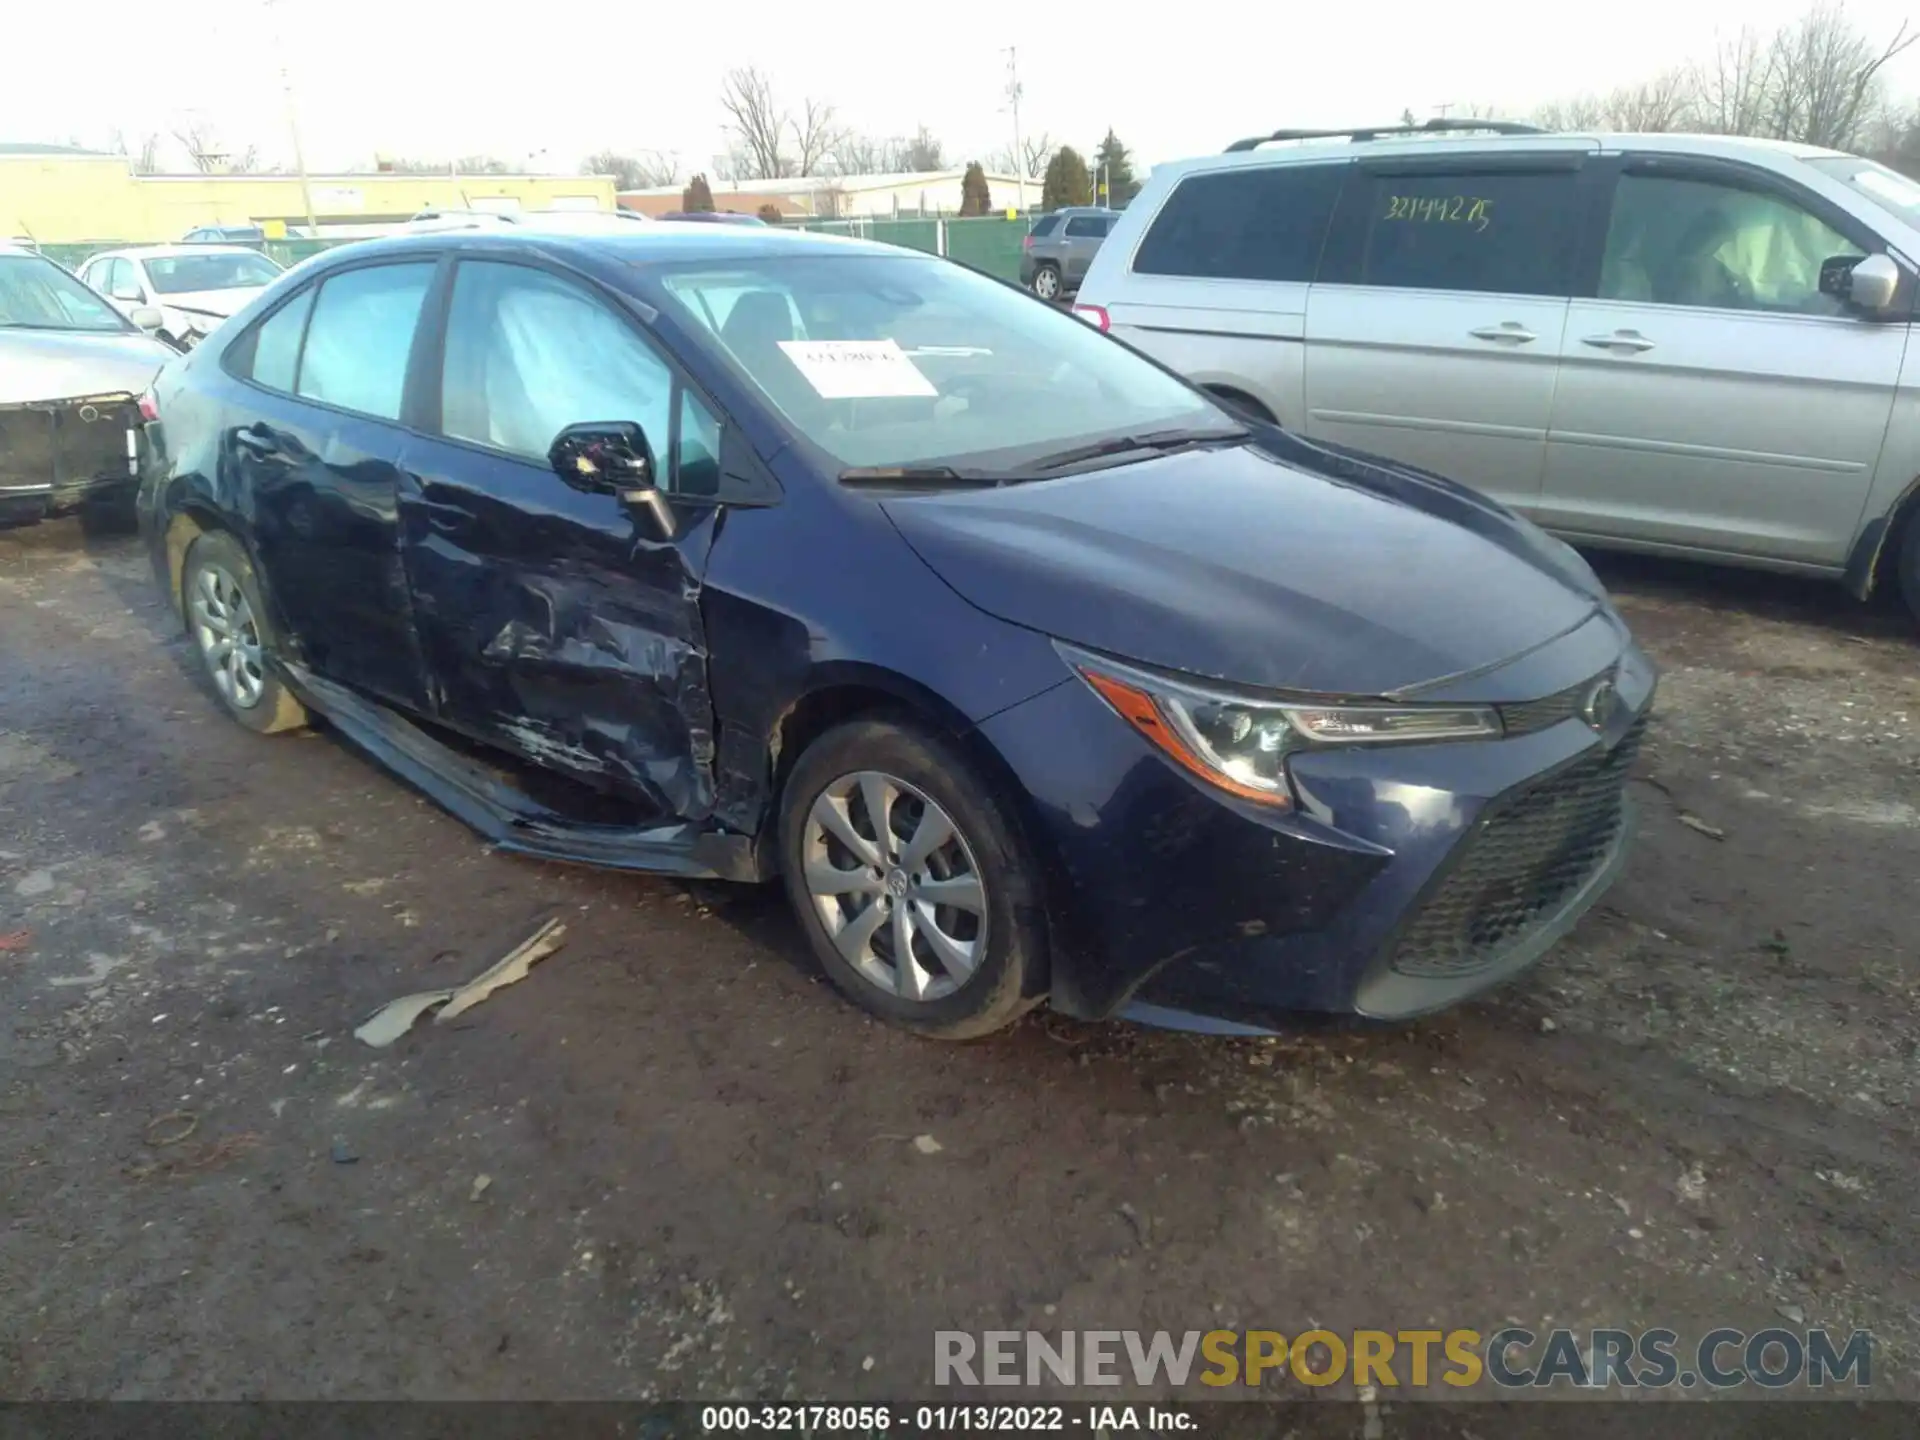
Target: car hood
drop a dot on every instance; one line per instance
(221, 303)
(1355, 578)
(59, 364)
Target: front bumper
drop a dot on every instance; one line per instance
(1407, 879)
(58, 455)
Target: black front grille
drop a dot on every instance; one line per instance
(1527, 716)
(1529, 853)
(66, 443)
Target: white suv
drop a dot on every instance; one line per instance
(1687, 344)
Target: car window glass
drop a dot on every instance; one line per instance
(1086, 225)
(36, 294)
(1249, 224)
(1045, 226)
(696, 468)
(229, 270)
(1503, 233)
(528, 354)
(120, 279)
(360, 336)
(276, 343)
(1673, 241)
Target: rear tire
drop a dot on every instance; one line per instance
(966, 910)
(1910, 565)
(220, 598)
(1046, 281)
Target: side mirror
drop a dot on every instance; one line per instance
(612, 457)
(148, 317)
(127, 292)
(1867, 285)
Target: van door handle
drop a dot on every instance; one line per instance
(1630, 342)
(1506, 330)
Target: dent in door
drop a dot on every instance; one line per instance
(603, 680)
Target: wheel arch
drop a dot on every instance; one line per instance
(1877, 553)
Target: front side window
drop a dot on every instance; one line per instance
(1674, 241)
(884, 361)
(360, 336)
(1266, 223)
(230, 270)
(36, 294)
(1503, 233)
(528, 354)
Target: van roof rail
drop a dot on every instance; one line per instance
(1436, 126)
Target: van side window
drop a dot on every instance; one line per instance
(1503, 233)
(1674, 241)
(1244, 224)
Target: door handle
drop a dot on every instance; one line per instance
(1630, 342)
(1506, 330)
(255, 439)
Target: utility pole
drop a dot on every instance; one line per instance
(293, 120)
(1013, 99)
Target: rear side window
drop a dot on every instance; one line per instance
(1501, 233)
(1046, 225)
(1263, 224)
(1089, 225)
(275, 344)
(360, 336)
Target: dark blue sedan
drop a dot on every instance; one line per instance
(1031, 672)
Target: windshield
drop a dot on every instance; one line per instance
(886, 362)
(36, 294)
(1888, 189)
(179, 274)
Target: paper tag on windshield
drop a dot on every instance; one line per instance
(857, 369)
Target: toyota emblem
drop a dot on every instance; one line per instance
(1596, 707)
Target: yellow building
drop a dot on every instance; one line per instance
(59, 196)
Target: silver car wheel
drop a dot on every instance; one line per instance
(895, 884)
(1046, 283)
(228, 636)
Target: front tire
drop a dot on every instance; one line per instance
(226, 621)
(911, 881)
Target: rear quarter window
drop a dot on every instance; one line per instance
(1045, 226)
(1247, 224)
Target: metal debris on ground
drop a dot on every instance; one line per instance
(927, 1145)
(1694, 822)
(397, 1017)
(181, 1124)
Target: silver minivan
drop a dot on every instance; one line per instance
(1693, 345)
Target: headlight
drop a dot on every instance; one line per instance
(1241, 744)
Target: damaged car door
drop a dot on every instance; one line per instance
(561, 620)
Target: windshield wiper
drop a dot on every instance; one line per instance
(1158, 442)
(914, 477)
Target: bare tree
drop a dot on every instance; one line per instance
(757, 125)
(1035, 152)
(866, 154)
(203, 146)
(816, 135)
(1731, 90)
(925, 152)
(657, 167)
(1581, 112)
(143, 161)
(1826, 77)
(633, 172)
(1664, 103)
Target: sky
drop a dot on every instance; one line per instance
(543, 85)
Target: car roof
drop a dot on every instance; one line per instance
(1481, 143)
(162, 252)
(641, 245)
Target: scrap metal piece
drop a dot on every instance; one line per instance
(397, 1017)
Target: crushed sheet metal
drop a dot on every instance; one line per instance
(397, 1017)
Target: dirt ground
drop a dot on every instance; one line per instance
(701, 1176)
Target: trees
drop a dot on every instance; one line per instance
(770, 213)
(1036, 151)
(976, 198)
(924, 152)
(1066, 181)
(633, 172)
(769, 143)
(697, 198)
(1113, 168)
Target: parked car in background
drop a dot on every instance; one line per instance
(225, 235)
(194, 287)
(1033, 672)
(1057, 251)
(1688, 345)
(72, 369)
(714, 217)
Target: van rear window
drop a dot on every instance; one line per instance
(1244, 224)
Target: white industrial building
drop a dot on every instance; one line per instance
(932, 192)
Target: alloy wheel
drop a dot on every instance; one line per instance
(228, 635)
(895, 885)
(1046, 283)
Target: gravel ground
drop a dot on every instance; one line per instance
(673, 1163)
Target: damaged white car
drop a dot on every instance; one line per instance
(72, 370)
(194, 287)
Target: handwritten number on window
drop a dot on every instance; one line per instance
(1470, 210)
